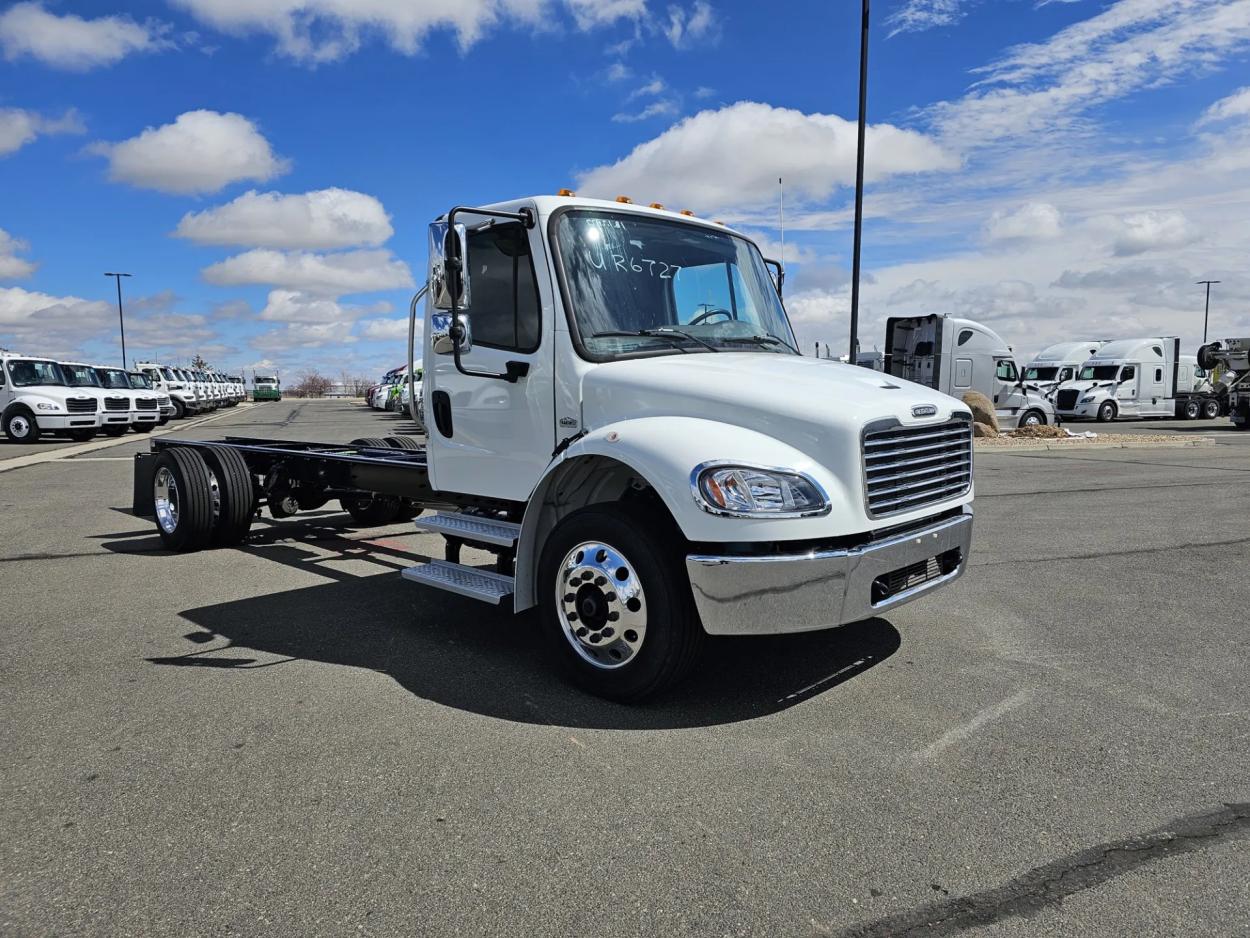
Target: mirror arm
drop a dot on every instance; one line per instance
(412, 338)
(515, 370)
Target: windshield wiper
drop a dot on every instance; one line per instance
(766, 339)
(664, 333)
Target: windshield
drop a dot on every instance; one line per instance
(80, 376)
(1099, 372)
(1040, 374)
(25, 373)
(169, 374)
(113, 378)
(262, 380)
(703, 288)
(138, 380)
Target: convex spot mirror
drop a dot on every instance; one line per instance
(440, 334)
(449, 266)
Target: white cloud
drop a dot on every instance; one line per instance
(1124, 276)
(13, 267)
(653, 87)
(307, 272)
(918, 15)
(1236, 104)
(732, 157)
(319, 31)
(618, 71)
(40, 324)
(326, 218)
(72, 43)
(387, 329)
(1032, 221)
(1149, 231)
(200, 152)
(304, 336)
(19, 127)
(293, 306)
(687, 27)
(654, 109)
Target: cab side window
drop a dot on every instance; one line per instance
(504, 308)
(1065, 374)
(1005, 370)
(3, 369)
(1158, 376)
(1128, 373)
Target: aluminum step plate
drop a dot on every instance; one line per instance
(471, 528)
(482, 585)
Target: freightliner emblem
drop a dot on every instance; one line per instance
(924, 410)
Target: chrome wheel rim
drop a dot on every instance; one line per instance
(165, 499)
(19, 426)
(1032, 420)
(601, 605)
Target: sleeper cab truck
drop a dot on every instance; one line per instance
(617, 411)
(1144, 378)
(36, 399)
(955, 356)
(1056, 364)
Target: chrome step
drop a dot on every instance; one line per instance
(471, 528)
(482, 585)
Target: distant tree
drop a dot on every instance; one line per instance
(198, 363)
(311, 384)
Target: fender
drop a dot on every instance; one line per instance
(662, 452)
(18, 407)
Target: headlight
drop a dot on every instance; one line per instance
(748, 491)
(40, 405)
(1088, 399)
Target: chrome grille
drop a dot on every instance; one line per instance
(164, 402)
(146, 404)
(81, 405)
(1066, 399)
(909, 467)
(116, 403)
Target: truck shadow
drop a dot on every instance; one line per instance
(458, 653)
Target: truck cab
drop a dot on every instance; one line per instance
(1124, 378)
(145, 404)
(140, 380)
(1057, 364)
(36, 398)
(956, 356)
(266, 388)
(115, 403)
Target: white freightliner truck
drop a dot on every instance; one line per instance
(1232, 356)
(145, 405)
(956, 356)
(618, 413)
(1055, 364)
(1144, 377)
(36, 398)
(172, 382)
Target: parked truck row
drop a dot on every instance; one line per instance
(41, 396)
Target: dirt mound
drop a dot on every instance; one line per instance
(1038, 433)
(982, 409)
(980, 429)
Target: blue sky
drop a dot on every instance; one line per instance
(266, 169)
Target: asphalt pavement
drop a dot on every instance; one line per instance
(289, 739)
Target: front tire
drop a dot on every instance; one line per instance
(1106, 412)
(20, 426)
(1032, 418)
(616, 610)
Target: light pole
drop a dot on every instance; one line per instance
(1206, 315)
(121, 319)
(859, 182)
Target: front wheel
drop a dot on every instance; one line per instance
(1106, 412)
(616, 608)
(20, 427)
(1033, 418)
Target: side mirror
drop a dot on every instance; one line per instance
(442, 341)
(449, 266)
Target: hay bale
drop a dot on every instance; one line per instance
(982, 409)
(983, 429)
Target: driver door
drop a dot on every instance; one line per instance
(488, 436)
(1126, 391)
(1008, 397)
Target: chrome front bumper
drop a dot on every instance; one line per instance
(782, 593)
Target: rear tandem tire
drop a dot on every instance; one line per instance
(1193, 410)
(1211, 409)
(371, 442)
(182, 496)
(668, 634)
(402, 442)
(237, 495)
(372, 511)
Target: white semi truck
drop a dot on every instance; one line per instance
(145, 405)
(618, 412)
(171, 382)
(115, 404)
(36, 398)
(1144, 377)
(1055, 364)
(956, 356)
(1232, 357)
